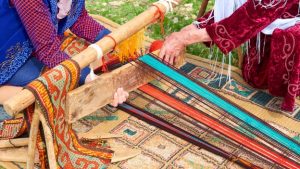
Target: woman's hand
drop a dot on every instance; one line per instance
(119, 97)
(176, 42)
(172, 47)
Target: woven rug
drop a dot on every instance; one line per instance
(163, 150)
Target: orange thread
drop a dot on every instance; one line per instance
(161, 17)
(104, 65)
(115, 42)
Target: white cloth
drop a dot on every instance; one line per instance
(225, 8)
(64, 6)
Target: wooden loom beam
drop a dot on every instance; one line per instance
(89, 55)
(98, 93)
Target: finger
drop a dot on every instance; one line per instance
(119, 91)
(121, 100)
(167, 57)
(162, 53)
(126, 94)
(175, 60)
(171, 59)
(115, 101)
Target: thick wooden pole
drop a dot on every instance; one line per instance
(89, 55)
(48, 139)
(18, 142)
(32, 139)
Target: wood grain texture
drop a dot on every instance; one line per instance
(18, 142)
(32, 139)
(96, 94)
(14, 154)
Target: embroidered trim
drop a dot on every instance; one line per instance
(16, 57)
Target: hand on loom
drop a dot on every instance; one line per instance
(120, 95)
(176, 42)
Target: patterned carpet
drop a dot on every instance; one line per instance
(163, 150)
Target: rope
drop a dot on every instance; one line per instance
(168, 4)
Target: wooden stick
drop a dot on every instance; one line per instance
(14, 154)
(18, 142)
(113, 26)
(202, 8)
(48, 138)
(10, 165)
(89, 55)
(32, 138)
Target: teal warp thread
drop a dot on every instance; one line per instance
(213, 98)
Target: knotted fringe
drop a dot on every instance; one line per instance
(131, 48)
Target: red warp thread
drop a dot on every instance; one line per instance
(161, 17)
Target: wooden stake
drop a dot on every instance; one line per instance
(48, 138)
(32, 138)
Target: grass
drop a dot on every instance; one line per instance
(121, 11)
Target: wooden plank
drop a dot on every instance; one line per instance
(96, 94)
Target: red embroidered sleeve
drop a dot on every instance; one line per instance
(86, 27)
(36, 19)
(245, 23)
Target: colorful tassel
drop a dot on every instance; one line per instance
(131, 48)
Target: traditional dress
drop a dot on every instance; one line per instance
(31, 33)
(271, 61)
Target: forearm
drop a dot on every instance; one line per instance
(191, 34)
(245, 23)
(89, 29)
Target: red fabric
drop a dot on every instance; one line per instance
(156, 45)
(245, 23)
(86, 27)
(277, 68)
(36, 18)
